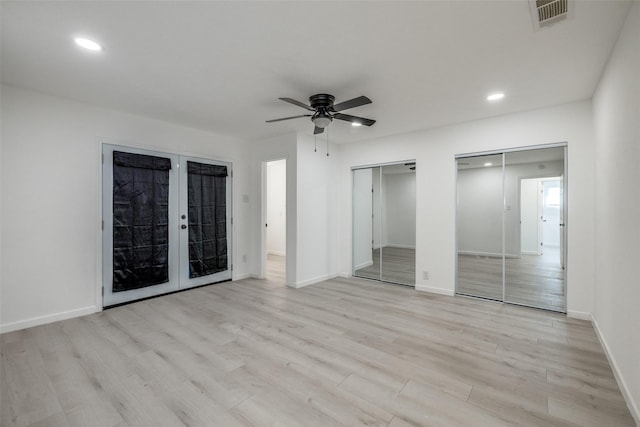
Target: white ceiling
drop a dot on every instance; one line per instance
(221, 66)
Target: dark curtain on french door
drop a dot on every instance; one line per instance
(140, 221)
(207, 186)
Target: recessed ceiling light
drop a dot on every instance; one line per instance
(488, 164)
(87, 44)
(495, 96)
(356, 124)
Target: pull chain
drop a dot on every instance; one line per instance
(315, 143)
(327, 142)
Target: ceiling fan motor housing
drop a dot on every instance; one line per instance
(321, 101)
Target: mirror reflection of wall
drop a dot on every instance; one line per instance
(510, 229)
(384, 218)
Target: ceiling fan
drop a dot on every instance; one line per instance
(324, 111)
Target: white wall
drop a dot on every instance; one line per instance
(317, 217)
(51, 199)
(263, 151)
(362, 219)
(616, 107)
(529, 228)
(311, 208)
(277, 207)
(480, 206)
(480, 202)
(400, 209)
(435, 150)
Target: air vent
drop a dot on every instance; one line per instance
(548, 12)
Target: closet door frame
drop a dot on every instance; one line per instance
(565, 226)
(380, 167)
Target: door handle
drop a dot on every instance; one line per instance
(183, 226)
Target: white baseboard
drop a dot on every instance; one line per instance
(530, 253)
(439, 291)
(633, 406)
(363, 265)
(243, 276)
(49, 318)
(582, 315)
(489, 254)
(393, 245)
(308, 282)
(278, 253)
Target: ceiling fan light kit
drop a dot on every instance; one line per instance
(325, 111)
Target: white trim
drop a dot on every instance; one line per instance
(243, 276)
(626, 393)
(582, 315)
(511, 150)
(393, 245)
(345, 275)
(529, 253)
(49, 318)
(363, 265)
(432, 290)
(308, 282)
(491, 254)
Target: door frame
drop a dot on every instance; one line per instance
(263, 217)
(106, 221)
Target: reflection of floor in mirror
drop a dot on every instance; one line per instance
(533, 280)
(398, 266)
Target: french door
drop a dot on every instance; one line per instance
(166, 223)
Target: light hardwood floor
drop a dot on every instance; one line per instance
(532, 280)
(398, 266)
(342, 352)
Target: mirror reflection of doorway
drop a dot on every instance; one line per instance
(276, 220)
(510, 227)
(384, 218)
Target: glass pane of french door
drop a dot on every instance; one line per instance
(205, 221)
(167, 223)
(480, 226)
(534, 228)
(139, 199)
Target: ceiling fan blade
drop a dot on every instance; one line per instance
(354, 119)
(288, 118)
(355, 102)
(317, 130)
(298, 103)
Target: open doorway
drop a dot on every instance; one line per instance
(541, 218)
(275, 223)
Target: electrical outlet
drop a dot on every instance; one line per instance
(425, 275)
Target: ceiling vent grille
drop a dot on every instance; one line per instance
(547, 12)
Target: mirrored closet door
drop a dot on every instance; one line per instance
(384, 218)
(511, 229)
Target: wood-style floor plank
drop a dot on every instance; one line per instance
(344, 352)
